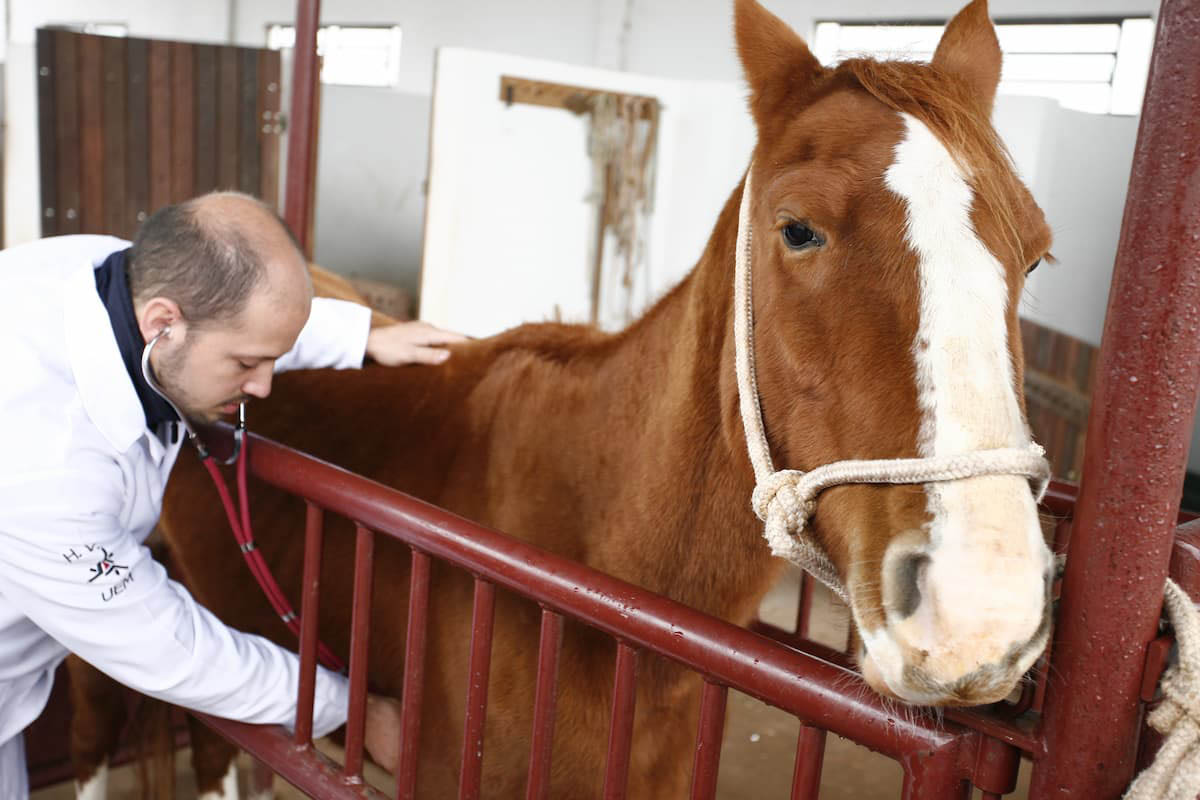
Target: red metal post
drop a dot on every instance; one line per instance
(414, 676)
(810, 754)
(478, 669)
(708, 741)
(360, 637)
(300, 161)
(309, 603)
(544, 701)
(620, 729)
(934, 776)
(1138, 433)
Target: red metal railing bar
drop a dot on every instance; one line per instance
(315, 774)
(1138, 433)
(934, 776)
(360, 640)
(414, 676)
(297, 210)
(795, 682)
(309, 620)
(711, 731)
(810, 753)
(544, 702)
(620, 730)
(478, 669)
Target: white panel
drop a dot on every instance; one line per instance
(509, 233)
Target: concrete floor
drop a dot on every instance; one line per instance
(756, 757)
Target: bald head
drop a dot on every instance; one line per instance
(211, 254)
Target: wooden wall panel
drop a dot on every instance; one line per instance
(269, 92)
(205, 156)
(47, 145)
(158, 120)
(1058, 388)
(66, 129)
(228, 94)
(129, 125)
(113, 51)
(137, 152)
(183, 122)
(249, 158)
(91, 135)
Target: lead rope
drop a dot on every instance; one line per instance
(1175, 773)
(786, 499)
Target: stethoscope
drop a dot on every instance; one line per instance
(239, 430)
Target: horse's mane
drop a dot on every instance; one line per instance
(944, 103)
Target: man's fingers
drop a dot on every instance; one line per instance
(428, 355)
(431, 335)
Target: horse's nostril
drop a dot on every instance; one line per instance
(907, 592)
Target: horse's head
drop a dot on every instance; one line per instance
(891, 243)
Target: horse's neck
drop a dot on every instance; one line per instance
(668, 441)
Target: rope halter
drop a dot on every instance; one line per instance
(786, 499)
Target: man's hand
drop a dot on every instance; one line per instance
(382, 733)
(410, 343)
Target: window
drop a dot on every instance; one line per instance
(353, 55)
(1098, 67)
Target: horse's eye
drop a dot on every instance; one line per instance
(1033, 266)
(799, 236)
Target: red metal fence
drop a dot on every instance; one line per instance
(941, 759)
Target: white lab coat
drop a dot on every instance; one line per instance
(81, 486)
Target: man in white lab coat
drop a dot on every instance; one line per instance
(87, 442)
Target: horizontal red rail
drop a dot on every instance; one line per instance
(803, 685)
(810, 688)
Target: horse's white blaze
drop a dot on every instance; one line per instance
(229, 786)
(982, 591)
(95, 787)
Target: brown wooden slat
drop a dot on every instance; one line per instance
(47, 145)
(228, 93)
(249, 160)
(113, 52)
(137, 152)
(268, 103)
(205, 118)
(91, 135)
(183, 124)
(159, 121)
(66, 128)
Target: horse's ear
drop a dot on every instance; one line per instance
(777, 62)
(969, 49)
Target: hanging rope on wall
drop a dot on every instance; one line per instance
(621, 145)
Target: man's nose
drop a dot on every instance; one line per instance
(259, 384)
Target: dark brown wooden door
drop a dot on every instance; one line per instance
(127, 126)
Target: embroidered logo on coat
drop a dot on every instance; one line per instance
(106, 566)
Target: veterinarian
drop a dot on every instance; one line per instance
(88, 445)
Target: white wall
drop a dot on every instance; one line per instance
(371, 164)
(568, 30)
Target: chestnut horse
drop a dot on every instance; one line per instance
(892, 243)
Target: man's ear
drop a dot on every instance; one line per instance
(159, 313)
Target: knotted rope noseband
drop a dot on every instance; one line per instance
(785, 500)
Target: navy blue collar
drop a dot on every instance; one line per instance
(113, 288)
